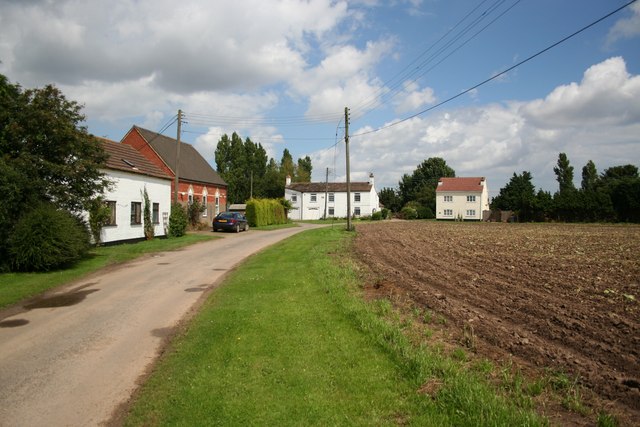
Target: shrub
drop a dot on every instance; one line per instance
(149, 230)
(47, 238)
(194, 210)
(99, 216)
(177, 220)
(386, 213)
(376, 216)
(408, 213)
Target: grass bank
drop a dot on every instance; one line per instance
(15, 287)
(287, 341)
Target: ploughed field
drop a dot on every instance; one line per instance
(558, 296)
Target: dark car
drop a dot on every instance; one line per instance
(230, 221)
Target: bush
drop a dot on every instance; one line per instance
(408, 213)
(194, 210)
(386, 213)
(47, 238)
(377, 216)
(177, 221)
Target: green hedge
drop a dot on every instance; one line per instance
(261, 212)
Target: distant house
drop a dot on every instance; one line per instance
(197, 179)
(310, 200)
(130, 173)
(462, 198)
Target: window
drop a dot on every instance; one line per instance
(204, 204)
(111, 205)
(448, 212)
(294, 198)
(471, 212)
(356, 198)
(448, 198)
(136, 212)
(190, 198)
(471, 198)
(314, 197)
(155, 214)
(356, 211)
(331, 212)
(217, 204)
(331, 197)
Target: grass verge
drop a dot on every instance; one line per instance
(288, 341)
(15, 287)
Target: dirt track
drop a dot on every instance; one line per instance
(554, 296)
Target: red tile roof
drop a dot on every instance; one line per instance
(461, 184)
(124, 157)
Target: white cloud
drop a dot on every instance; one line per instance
(597, 119)
(625, 28)
(412, 97)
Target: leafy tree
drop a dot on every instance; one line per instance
(622, 184)
(390, 198)
(303, 170)
(421, 185)
(273, 181)
(589, 177)
(46, 156)
(286, 164)
(566, 200)
(518, 196)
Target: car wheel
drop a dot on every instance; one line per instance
(237, 228)
(246, 227)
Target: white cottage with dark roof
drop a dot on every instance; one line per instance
(130, 173)
(316, 200)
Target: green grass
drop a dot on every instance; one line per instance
(286, 340)
(15, 287)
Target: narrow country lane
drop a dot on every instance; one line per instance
(73, 356)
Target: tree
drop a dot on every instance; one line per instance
(46, 156)
(566, 200)
(518, 196)
(622, 184)
(390, 199)
(589, 177)
(148, 226)
(421, 185)
(303, 170)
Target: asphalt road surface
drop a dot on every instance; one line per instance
(73, 356)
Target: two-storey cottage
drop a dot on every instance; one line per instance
(197, 179)
(462, 198)
(315, 200)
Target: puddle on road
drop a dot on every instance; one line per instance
(64, 300)
(200, 288)
(13, 323)
(219, 269)
(163, 263)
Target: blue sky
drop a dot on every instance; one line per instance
(282, 72)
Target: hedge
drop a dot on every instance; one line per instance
(261, 212)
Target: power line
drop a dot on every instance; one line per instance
(500, 73)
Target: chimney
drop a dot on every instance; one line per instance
(287, 181)
(371, 179)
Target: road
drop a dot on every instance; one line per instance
(75, 355)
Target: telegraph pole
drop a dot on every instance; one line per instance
(346, 143)
(177, 168)
(326, 194)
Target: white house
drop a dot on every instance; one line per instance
(130, 173)
(462, 198)
(316, 200)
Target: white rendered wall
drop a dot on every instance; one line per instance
(305, 209)
(127, 188)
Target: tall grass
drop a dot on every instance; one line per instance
(286, 341)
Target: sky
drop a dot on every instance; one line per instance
(282, 72)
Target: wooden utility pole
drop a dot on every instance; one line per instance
(177, 168)
(346, 144)
(326, 194)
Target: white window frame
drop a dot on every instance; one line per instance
(356, 211)
(313, 198)
(332, 211)
(294, 198)
(332, 197)
(356, 197)
(204, 203)
(448, 199)
(471, 212)
(471, 199)
(448, 212)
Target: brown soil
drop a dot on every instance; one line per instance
(546, 296)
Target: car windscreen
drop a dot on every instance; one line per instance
(225, 215)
